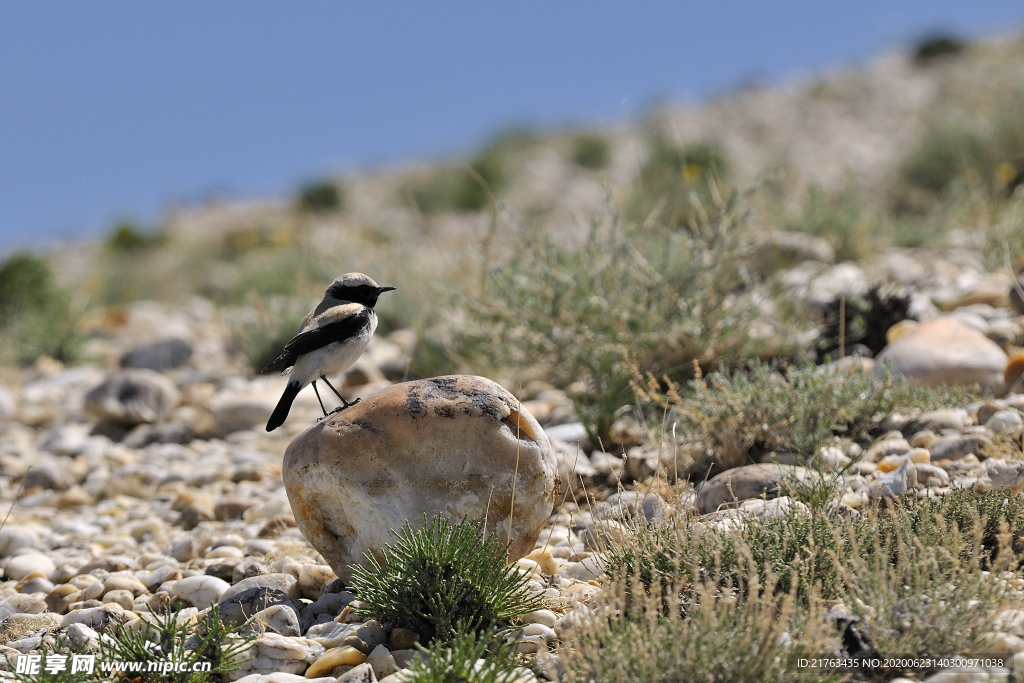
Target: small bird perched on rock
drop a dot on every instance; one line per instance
(332, 336)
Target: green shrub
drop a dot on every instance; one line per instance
(262, 329)
(209, 640)
(456, 662)
(36, 316)
(969, 147)
(729, 418)
(26, 283)
(677, 184)
(129, 237)
(938, 45)
(574, 315)
(466, 188)
(591, 150)
(915, 574)
(843, 219)
(322, 197)
(443, 579)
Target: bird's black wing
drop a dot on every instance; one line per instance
(319, 337)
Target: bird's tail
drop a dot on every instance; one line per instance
(277, 418)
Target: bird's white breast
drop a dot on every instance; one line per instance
(336, 357)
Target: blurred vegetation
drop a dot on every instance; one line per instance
(455, 188)
(738, 416)
(36, 316)
(127, 237)
(591, 150)
(322, 197)
(914, 574)
(938, 45)
(644, 293)
(678, 182)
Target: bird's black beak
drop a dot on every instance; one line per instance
(385, 289)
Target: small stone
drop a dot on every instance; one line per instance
(279, 619)
(21, 566)
(541, 616)
(231, 508)
(919, 456)
(201, 591)
(403, 639)
(98, 618)
(1005, 421)
(131, 397)
(276, 525)
(36, 585)
(313, 578)
(544, 560)
(382, 662)
(588, 569)
(956, 446)
(362, 673)
(943, 351)
(891, 463)
(944, 418)
(159, 355)
(333, 658)
(749, 481)
(330, 634)
(194, 514)
(930, 475)
(47, 475)
(15, 537)
(120, 597)
(237, 607)
(274, 653)
(82, 637)
(134, 586)
(895, 483)
(923, 439)
(885, 447)
(1001, 475)
(371, 633)
(287, 584)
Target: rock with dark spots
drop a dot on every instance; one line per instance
(750, 481)
(132, 397)
(162, 354)
(48, 475)
(194, 513)
(237, 607)
(167, 432)
(956, 446)
(287, 584)
(457, 445)
(280, 618)
(231, 508)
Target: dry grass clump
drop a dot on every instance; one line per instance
(727, 419)
(660, 295)
(688, 604)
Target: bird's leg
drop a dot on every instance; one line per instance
(319, 399)
(345, 403)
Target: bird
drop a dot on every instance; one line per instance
(332, 336)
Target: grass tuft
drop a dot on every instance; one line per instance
(442, 579)
(468, 658)
(731, 418)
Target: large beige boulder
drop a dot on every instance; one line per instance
(458, 445)
(942, 351)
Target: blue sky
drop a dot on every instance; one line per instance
(118, 109)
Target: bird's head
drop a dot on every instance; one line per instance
(357, 288)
